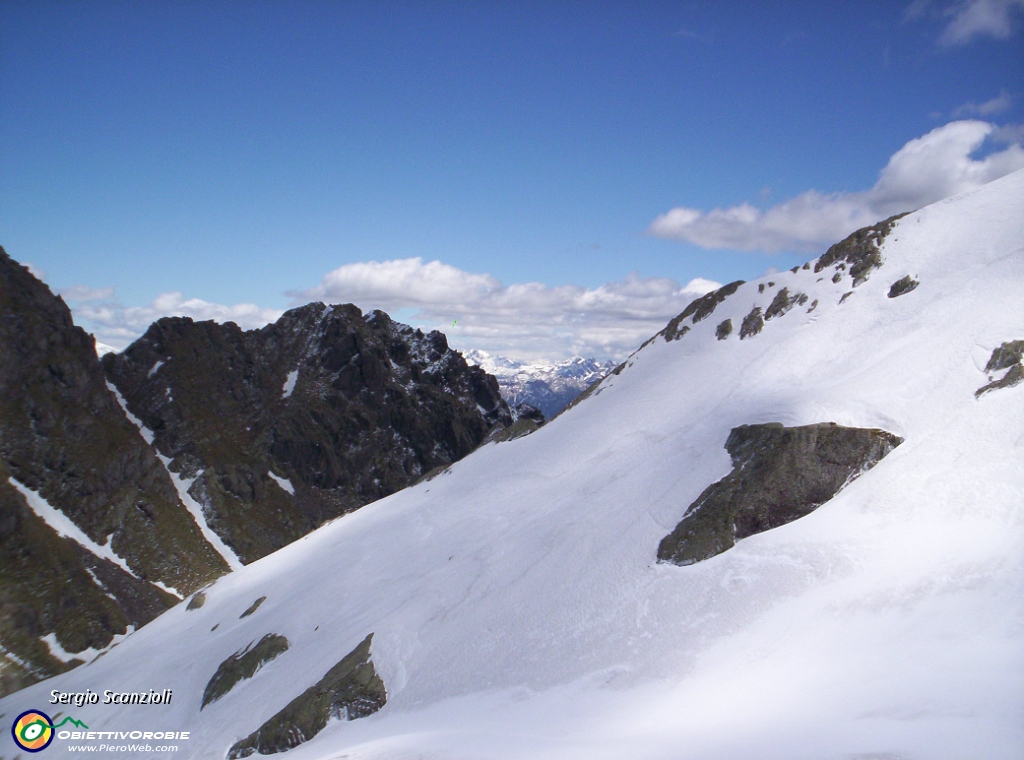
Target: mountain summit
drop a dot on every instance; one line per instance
(833, 454)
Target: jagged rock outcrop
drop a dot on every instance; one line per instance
(63, 436)
(779, 475)
(858, 253)
(698, 309)
(1009, 359)
(753, 323)
(783, 302)
(282, 428)
(350, 690)
(902, 286)
(243, 665)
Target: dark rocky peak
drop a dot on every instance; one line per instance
(22, 293)
(66, 445)
(63, 435)
(281, 428)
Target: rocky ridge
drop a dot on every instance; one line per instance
(273, 431)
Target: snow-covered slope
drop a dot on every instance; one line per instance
(549, 386)
(516, 605)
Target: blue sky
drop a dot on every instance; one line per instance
(560, 162)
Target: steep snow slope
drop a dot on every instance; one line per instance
(517, 607)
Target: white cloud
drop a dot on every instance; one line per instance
(402, 283)
(118, 325)
(989, 107)
(84, 293)
(925, 170)
(525, 320)
(980, 18)
(965, 20)
(39, 274)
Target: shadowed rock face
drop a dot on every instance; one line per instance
(304, 420)
(64, 436)
(779, 475)
(242, 665)
(351, 689)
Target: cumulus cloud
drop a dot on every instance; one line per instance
(401, 283)
(117, 325)
(925, 170)
(524, 320)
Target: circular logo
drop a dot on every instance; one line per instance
(33, 731)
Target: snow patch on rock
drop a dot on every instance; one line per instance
(284, 483)
(64, 526)
(289, 383)
(147, 434)
(182, 485)
(86, 655)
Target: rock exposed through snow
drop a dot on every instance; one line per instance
(779, 475)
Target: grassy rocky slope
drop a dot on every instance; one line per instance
(64, 437)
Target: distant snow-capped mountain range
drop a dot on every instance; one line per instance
(549, 387)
